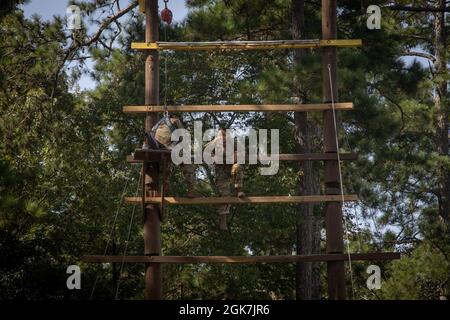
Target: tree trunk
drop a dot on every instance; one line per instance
(308, 241)
(442, 113)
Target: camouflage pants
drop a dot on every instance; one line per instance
(187, 170)
(229, 180)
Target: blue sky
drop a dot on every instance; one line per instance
(49, 8)
(46, 9)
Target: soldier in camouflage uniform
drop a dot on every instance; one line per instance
(229, 179)
(162, 134)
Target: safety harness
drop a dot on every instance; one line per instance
(151, 137)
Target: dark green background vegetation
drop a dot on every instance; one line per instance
(63, 168)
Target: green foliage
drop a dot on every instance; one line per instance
(63, 169)
(421, 275)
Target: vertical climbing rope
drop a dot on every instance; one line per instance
(128, 239)
(340, 181)
(355, 211)
(166, 16)
(110, 235)
(165, 73)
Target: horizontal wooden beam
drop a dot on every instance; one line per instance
(379, 256)
(316, 156)
(141, 155)
(246, 45)
(154, 151)
(242, 108)
(245, 200)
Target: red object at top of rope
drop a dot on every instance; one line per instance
(166, 14)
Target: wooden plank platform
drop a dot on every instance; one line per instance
(315, 156)
(242, 108)
(245, 200)
(140, 155)
(378, 256)
(246, 45)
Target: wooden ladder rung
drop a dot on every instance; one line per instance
(153, 155)
(246, 45)
(245, 200)
(242, 108)
(378, 256)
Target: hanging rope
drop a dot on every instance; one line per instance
(340, 181)
(166, 113)
(110, 234)
(126, 241)
(355, 211)
(166, 16)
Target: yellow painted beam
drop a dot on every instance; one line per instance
(246, 45)
(245, 200)
(242, 108)
(142, 6)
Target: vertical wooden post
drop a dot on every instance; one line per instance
(333, 210)
(152, 223)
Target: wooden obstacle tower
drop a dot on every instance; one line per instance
(154, 162)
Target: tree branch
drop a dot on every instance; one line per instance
(105, 24)
(391, 100)
(419, 54)
(69, 53)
